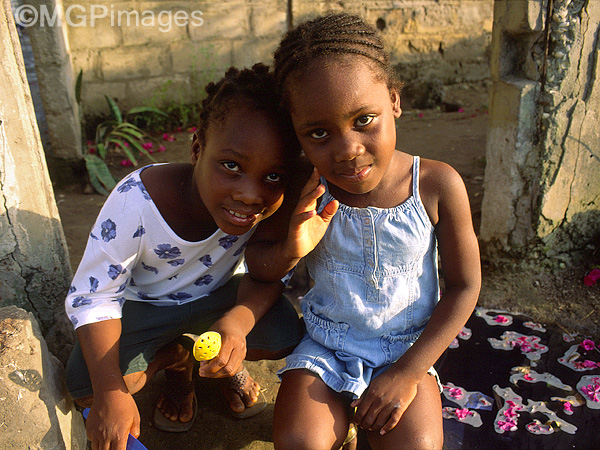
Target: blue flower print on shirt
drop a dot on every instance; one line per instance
(127, 185)
(93, 284)
(240, 250)
(94, 237)
(109, 230)
(144, 296)
(176, 262)
(122, 287)
(121, 301)
(114, 270)
(206, 279)
(74, 321)
(139, 232)
(206, 260)
(165, 251)
(81, 301)
(144, 191)
(149, 268)
(180, 296)
(227, 241)
(72, 289)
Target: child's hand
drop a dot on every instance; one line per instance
(306, 226)
(233, 350)
(382, 405)
(113, 416)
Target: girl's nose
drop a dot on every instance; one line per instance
(249, 193)
(348, 149)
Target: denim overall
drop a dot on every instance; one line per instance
(376, 285)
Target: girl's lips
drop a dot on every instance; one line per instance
(358, 176)
(241, 219)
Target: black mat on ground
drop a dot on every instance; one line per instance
(476, 366)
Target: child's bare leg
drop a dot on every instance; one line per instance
(308, 414)
(421, 425)
(178, 365)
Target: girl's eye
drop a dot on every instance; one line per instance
(230, 165)
(274, 177)
(319, 134)
(363, 121)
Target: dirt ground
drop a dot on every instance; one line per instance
(558, 297)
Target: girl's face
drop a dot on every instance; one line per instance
(240, 171)
(343, 114)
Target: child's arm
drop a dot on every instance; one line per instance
(113, 413)
(254, 299)
(445, 198)
(280, 241)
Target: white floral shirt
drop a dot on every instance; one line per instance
(133, 255)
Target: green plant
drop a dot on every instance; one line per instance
(118, 134)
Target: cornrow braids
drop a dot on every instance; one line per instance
(254, 88)
(338, 33)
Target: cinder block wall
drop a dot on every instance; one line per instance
(134, 52)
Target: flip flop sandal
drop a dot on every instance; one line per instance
(175, 392)
(237, 383)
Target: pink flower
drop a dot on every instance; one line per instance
(147, 145)
(500, 319)
(588, 344)
(592, 391)
(178, 129)
(461, 110)
(528, 377)
(591, 278)
(456, 392)
(126, 163)
(420, 114)
(568, 407)
(192, 129)
(92, 150)
(161, 148)
(168, 137)
(461, 414)
(508, 425)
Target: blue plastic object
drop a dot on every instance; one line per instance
(132, 443)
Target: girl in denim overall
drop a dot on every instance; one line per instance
(371, 222)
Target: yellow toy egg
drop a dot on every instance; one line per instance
(207, 346)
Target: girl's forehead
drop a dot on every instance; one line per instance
(336, 81)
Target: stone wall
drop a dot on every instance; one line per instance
(34, 263)
(141, 59)
(542, 188)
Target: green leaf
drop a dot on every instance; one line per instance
(129, 129)
(101, 150)
(114, 109)
(100, 176)
(127, 150)
(146, 109)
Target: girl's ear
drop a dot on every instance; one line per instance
(196, 149)
(395, 96)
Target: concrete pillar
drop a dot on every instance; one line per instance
(542, 175)
(56, 80)
(34, 263)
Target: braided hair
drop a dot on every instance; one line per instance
(338, 33)
(254, 88)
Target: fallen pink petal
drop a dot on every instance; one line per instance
(588, 344)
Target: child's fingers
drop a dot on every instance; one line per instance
(329, 210)
(393, 420)
(309, 198)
